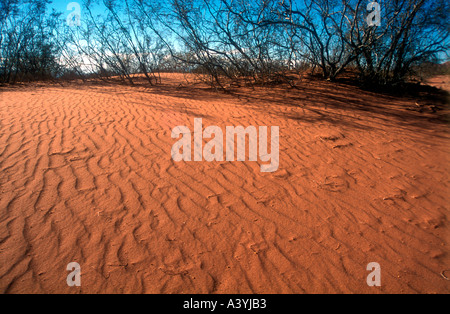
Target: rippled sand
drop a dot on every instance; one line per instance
(86, 176)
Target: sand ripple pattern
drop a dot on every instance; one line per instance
(86, 175)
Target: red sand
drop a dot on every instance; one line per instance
(87, 177)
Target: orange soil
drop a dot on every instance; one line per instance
(87, 176)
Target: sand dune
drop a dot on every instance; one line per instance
(87, 177)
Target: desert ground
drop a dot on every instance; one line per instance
(86, 176)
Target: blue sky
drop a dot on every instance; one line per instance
(61, 6)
